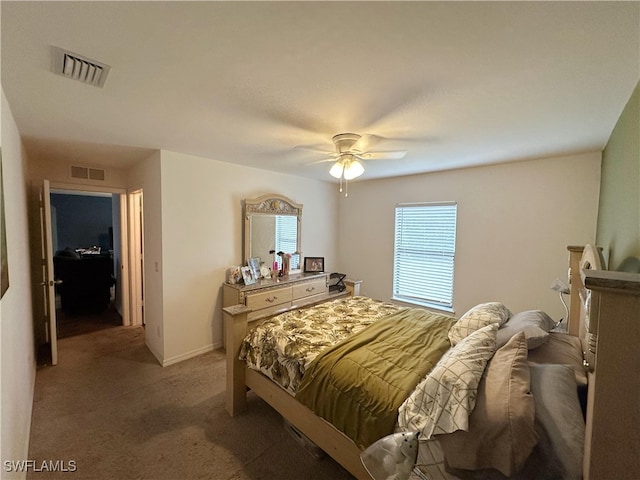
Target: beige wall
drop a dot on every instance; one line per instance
(202, 237)
(146, 175)
(514, 223)
(16, 332)
(619, 210)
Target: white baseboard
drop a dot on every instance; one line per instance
(154, 353)
(191, 354)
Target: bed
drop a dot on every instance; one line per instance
(586, 288)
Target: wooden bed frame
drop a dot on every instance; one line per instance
(611, 345)
(612, 442)
(240, 379)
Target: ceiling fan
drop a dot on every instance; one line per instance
(350, 149)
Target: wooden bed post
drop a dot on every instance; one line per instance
(353, 287)
(235, 323)
(575, 282)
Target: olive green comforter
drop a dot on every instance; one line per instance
(359, 384)
(284, 346)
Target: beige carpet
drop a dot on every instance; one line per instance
(117, 414)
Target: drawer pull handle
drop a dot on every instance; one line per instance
(310, 289)
(271, 299)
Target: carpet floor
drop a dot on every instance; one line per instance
(108, 410)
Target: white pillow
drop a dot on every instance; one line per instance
(534, 323)
(444, 399)
(479, 316)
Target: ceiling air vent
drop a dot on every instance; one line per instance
(77, 67)
(86, 173)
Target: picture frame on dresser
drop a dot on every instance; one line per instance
(254, 264)
(248, 276)
(313, 264)
(234, 274)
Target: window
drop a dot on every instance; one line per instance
(424, 253)
(286, 238)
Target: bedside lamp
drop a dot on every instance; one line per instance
(392, 457)
(563, 289)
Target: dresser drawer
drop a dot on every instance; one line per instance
(269, 298)
(267, 312)
(307, 289)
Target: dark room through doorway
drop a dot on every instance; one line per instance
(86, 247)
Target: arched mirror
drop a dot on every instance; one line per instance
(271, 224)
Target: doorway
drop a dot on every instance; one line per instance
(87, 250)
(111, 242)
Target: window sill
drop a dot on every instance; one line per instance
(430, 306)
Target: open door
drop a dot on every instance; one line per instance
(48, 280)
(136, 256)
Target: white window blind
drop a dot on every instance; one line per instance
(424, 253)
(286, 238)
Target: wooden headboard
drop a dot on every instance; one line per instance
(583, 258)
(608, 304)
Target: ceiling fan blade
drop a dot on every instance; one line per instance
(395, 155)
(365, 142)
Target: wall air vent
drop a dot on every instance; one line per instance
(87, 173)
(77, 67)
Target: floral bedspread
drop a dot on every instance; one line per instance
(283, 347)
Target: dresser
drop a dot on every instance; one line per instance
(268, 297)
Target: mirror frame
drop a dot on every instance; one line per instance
(270, 204)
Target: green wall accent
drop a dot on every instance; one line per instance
(618, 229)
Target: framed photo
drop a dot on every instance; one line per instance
(248, 276)
(234, 275)
(313, 264)
(254, 265)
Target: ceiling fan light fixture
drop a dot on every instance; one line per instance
(350, 148)
(337, 169)
(353, 169)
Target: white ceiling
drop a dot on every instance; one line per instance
(454, 83)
